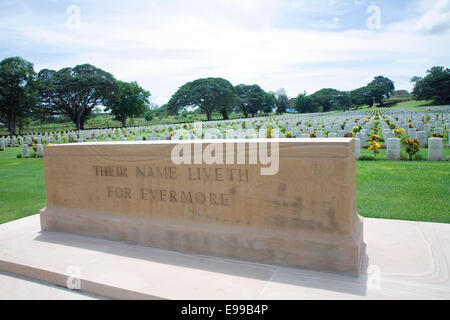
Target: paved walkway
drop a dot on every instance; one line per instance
(403, 260)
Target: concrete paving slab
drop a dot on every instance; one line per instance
(15, 287)
(404, 260)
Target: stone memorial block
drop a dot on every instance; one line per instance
(357, 148)
(295, 208)
(393, 149)
(439, 130)
(25, 151)
(434, 149)
(422, 137)
(39, 151)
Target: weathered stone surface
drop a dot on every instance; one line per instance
(357, 148)
(422, 137)
(304, 216)
(435, 149)
(24, 151)
(393, 149)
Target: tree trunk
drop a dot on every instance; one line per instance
(208, 115)
(12, 126)
(224, 114)
(124, 121)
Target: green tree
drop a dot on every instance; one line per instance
(18, 91)
(269, 102)
(435, 86)
(342, 101)
(282, 101)
(128, 100)
(361, 96)
(305, 104)
(324, 98)
(381, 88)
(75, 92)
(208, 94)
(251, 98)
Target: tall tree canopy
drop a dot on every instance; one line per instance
(361, 96)
(209, 94)
(305, 104)
(282, 100)
(128, 100)
(75, 92)
(251, 98)
(381, 88)
(18, 91)
(324, 99)
(269, 103)
(435, 86)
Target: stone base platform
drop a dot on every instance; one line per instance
(404, 260)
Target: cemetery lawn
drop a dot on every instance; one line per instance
(417, 191)
(403, 190)
(22, 187)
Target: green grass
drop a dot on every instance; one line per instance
(413, 105)
(22, 187)
(404, 190)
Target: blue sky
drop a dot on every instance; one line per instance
(298, 45)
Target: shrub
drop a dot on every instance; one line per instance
(392, 126)
(412, 147)
(403, 155)
(366, 158)
(399, 132)
(288, 134)
(349, 135)
(19, 156)
(375, 147)
(418, 157)
(438, 135)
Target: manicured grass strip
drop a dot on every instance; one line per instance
(22, 187)
(404, 190)
(418, 190)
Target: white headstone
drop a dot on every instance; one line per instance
(393, 149)
(434, 149)
(422, 137)
(357, 148)
(39, 151)
(24, 151)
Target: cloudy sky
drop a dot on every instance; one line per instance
(299, 45)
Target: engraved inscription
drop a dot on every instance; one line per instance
(111, 171)
(173, 196)
(220, 174)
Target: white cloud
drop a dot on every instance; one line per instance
(164, 45)
(436, 20)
